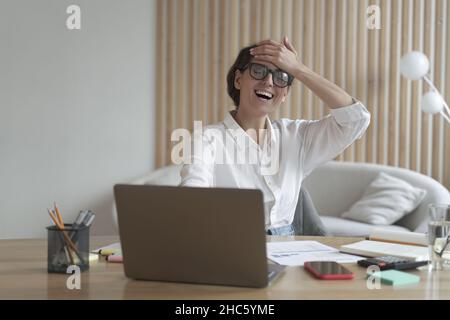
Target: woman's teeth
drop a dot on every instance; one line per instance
(264, 94)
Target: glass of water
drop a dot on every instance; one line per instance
(439, 235)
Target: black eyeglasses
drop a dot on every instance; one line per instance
(258, 71)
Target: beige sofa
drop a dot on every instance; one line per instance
(335, 186)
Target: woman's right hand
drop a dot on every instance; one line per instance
(283, 55)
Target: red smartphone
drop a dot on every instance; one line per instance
(328, 270)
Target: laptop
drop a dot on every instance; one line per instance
(195, 235)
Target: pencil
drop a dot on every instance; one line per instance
(58, 213)
(61, 227)
(55, 220)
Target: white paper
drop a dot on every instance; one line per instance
(296, 253)
(402, 236)
(111, 246)
(378, 248)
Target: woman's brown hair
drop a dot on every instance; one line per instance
(242, 60)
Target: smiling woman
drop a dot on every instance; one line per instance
(263, 98)
(259, 82)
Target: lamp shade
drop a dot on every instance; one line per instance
(432, 102)
(414, 65)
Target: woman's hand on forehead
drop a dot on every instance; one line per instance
(283, 55)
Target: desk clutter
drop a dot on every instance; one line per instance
(111, 253)
(390, 252)
(68, 244)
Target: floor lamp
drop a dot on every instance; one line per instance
(415, 66)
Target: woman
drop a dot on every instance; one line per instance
(259, 82)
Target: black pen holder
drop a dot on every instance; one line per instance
(67, 247)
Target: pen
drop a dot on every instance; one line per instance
(80, 217)
(89, 221)
(85, 218)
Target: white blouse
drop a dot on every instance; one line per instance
(290, 150)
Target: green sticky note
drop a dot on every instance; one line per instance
(395, 277)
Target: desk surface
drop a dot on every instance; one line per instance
(23, 275)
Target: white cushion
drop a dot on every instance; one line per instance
(386, 200)
(339, 227)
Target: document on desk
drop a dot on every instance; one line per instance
(296, 253)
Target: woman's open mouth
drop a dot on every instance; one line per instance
(264, 95)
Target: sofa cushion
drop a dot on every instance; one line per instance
(336, 186)
(348, 228)
(386, 200)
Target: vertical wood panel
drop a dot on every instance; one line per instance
(447, 97)
(244, 23)
(170, 83)
(404, 88)
(201, 38)
(160, 87)
(393, 90)
(372, 90)
(340, 48)
(385, 49)
(233, 39)
(201, 66)
(362, 77)
(426, 118)
(180, 70)
(321, 55)
(307, 55)
(415, 116)
(437, 119)
(420, 147)
(213, 59)
(329, 40)
(316, 65)
(442, 123)
(264, 7)
(275, 34)
(432, 43)
(350, 61)
(286, 23)
(192, 50)
(296, 41)
(255, 14)
(224, 64)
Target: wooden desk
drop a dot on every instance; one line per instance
(23, 275)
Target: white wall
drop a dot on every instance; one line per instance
(76, 108)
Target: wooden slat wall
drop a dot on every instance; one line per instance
(199, 40)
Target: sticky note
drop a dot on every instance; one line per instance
(395, 277)
(93, 257)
